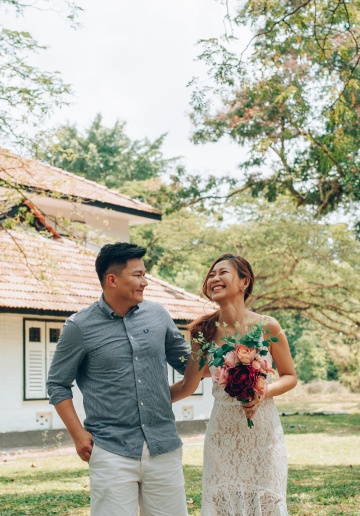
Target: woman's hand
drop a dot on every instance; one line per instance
(252, 405)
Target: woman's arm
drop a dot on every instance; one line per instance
(192, 376)
(280, 352)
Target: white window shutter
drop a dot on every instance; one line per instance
(35, 360)
(53, 330)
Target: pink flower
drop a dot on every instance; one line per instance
(255, 364)
(230, 359)
(245, 355)
(265, 367)
(260, 386)
(221, 376)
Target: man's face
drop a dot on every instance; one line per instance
(129, 283)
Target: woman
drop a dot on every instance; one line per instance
(245, 469)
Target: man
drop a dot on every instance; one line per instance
(117, 349)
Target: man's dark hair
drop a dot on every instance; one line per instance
(116, 254)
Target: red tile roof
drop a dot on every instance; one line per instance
(32, 174)
(57, 275)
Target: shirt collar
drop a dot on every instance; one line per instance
(104, 307)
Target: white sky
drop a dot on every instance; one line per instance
(132, 60)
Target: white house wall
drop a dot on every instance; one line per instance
(18, 415)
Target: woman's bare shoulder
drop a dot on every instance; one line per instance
(272, 324)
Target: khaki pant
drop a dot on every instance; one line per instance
(120, 485)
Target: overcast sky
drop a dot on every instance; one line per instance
(132, 60)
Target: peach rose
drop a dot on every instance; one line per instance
(256, 364)
(230, 359)
(260, 386)
(245, 355)
(220, 376)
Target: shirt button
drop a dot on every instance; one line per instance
(141, 403)
(131, 337)
(136, 358)
(143, 425)
(139, 380)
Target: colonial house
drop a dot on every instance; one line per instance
(46, 275)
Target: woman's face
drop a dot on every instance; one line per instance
(223, 282)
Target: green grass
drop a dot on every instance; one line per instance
(316, 423)
(324, 473)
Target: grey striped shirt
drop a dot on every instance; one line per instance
(120, 366)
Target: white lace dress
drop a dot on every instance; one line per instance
(245, 469)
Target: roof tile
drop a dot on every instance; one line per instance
(41, 273)
(34, 174)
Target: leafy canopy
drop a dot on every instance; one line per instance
(300, 265)
(102, 154)
(292, 97)
(27, 94)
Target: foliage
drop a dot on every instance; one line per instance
(105, 155)
(138, 168)
(311, 359)
(27, 94)
(345, 355)
(178, 189)
(300, 266)
(292, 97)
(252, 339)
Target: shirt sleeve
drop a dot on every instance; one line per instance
(177, 349)
(68, 356)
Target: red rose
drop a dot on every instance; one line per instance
(241, 382)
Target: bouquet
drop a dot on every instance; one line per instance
(241, 369)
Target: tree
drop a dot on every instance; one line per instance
(105, 155)
(27, 94)
(292, 97)
(301, 266)
(177, 189)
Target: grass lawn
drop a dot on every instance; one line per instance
(324, 473)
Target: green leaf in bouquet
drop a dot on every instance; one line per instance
(218, 361)
(263, 352)
(202, 362)
(226, 348)
(274, 339)
(266, 343)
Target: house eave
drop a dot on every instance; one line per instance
(154, 215)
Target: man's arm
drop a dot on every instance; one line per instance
(82, 438)
(177, 349)
(67, 359)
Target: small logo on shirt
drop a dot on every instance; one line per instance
(146, 330)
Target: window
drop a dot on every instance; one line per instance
(40, 343)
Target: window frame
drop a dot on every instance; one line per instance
(45, 321)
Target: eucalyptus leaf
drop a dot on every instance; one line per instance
(218, 361)
(202, 363)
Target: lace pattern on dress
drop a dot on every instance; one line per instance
(245, 470)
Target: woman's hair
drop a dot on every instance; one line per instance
(205, 324)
